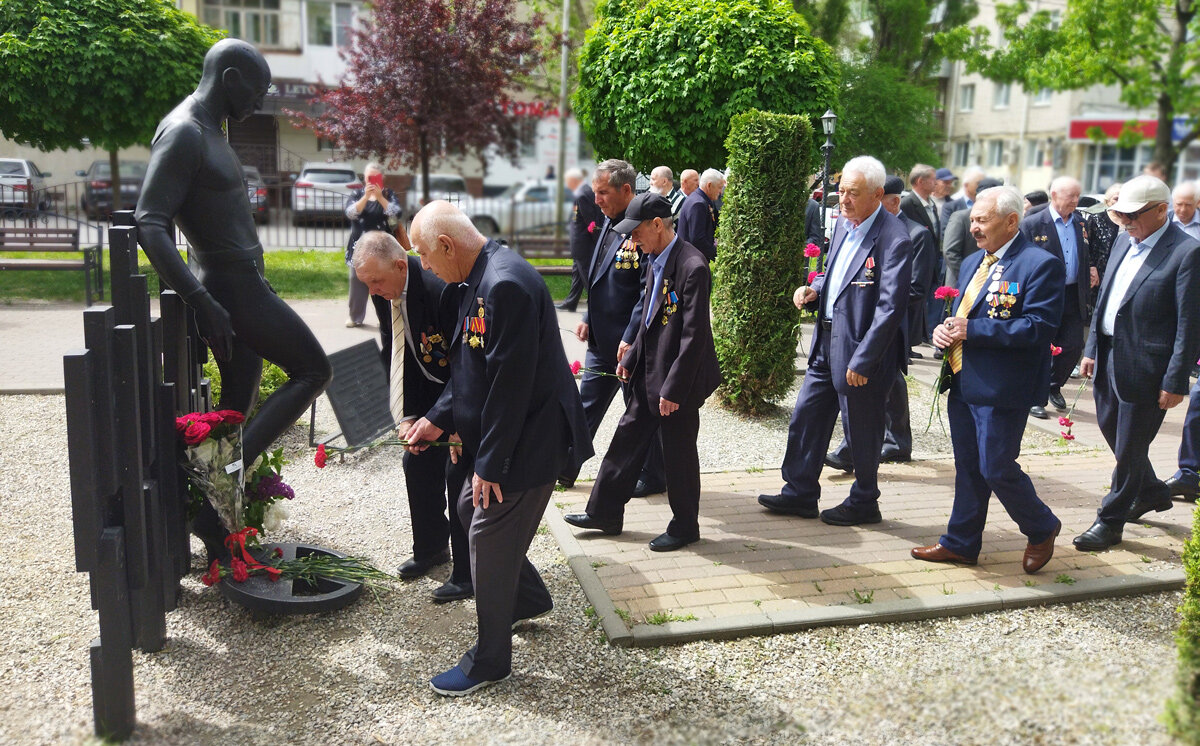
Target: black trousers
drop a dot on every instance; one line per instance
(578, 283)
(383, 309)
(434, 484)
(1129, 428)
(639, 428)
(1070, 338)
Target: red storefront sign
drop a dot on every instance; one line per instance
(1079, 128)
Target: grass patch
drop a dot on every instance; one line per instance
(862, 598)
(662, 617)
(1065, 579)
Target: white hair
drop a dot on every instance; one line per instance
(711, 176)
(373, 166)
(1184, 188)
(663, 171)
(1064, 182)
(869, 168)
(1006, 200)
(446, 220)
(378, 244)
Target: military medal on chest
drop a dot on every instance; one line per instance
(670, 301)
(627, 256)
(474, 327)
(433, 347)
(870, 265)
(1001, 297)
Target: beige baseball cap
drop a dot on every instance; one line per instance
(1139, 192)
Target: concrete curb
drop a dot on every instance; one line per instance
(613, 625)
(49, 391)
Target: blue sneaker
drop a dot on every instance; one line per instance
(456, 683)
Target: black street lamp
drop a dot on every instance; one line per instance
(828, 125)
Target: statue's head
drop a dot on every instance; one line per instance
(239, 71)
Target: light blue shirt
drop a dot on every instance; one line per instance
(1066, 239)
(1130, 264)
(835, 278)
(1192, 228)
(657, 265)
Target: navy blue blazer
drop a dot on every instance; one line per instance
(698, 223)
(924, 265)
(432, 325)
(1006, 361)
(1039, 229)
(614, 292)
(511, 395)
(1156, 337)
(951, 206)
(869, 333)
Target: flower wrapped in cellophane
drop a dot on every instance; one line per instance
(213, 460)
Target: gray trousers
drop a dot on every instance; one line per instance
(507, 585)
(358, 298)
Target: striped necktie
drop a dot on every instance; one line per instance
(396, 387)
(954, 354)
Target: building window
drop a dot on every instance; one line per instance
(1105, 164)
(325, 144)
(527, 133)
(1000, 95)
(329, 23)
(1042, 97)
(1035, 154)
(962, 153)
(255, 21)
(995, 153)
(966, 97)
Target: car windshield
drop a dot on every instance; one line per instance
(12, 168)
(136, 169)
(251, 173)
(329, 176)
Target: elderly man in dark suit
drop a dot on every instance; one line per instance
(1059, 230)
(1144, 341)
(859, 344)
(698, 216)
(998, 345)
(919, 207)
(672, 368)
(513, 400)
(611, 322)
(586, 219)
(897, 430)
(433, 479)
(965, 197)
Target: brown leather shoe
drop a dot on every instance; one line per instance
(939, 553)
(1037, 555)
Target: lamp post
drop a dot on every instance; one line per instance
(828, 125)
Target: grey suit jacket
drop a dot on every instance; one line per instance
(957, 244)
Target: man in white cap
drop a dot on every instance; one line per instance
(1145, 338)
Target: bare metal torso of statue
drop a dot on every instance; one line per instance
(195, 181)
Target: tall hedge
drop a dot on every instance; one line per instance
(1183, 711)
(760, 257)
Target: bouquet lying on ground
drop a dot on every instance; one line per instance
(308, 568)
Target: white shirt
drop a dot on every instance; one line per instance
(1123, 278)
(837, 274)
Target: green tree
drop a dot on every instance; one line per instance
(887, 115)
(760, 258)
(826, 18)
(104, 70)
(544, 80)
(659, 80)
(1147, 47)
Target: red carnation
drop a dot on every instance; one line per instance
(1055, 350)
(812, 276)
(320, 457)
(196, 433)
(273, 572)
(1067, 436)
(231, 416)
(213, 575)
(240, 574)
(592, 227)
(576, 367)
(1065, 421)
(812, 250)
(945, 292)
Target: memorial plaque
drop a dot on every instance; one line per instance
(359, 393)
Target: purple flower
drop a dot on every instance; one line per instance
(272, 486)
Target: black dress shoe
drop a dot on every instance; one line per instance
(611, 526)
(780, 504)
(1188, 490)
(835, 462)
(1097, 538)
(451, 591)
(938, 354)
(668, 543)
(1039, 412)
(566, 307)
(567, 482)
(1056, 398)
(844, 515)
(1146, 503)
(893, 456)
(415, 568)
(645, 490)
(914, 355)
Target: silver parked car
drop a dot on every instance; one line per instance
(320, 192)
(22, 184)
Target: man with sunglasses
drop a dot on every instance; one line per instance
(1145, 338)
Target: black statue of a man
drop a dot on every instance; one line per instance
(195, 180)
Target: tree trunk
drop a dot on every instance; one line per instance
(423, 139)
(114, 165)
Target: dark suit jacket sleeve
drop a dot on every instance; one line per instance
(696, 227)
(696, 336)
(1041, 312)
(511, 362)
(954, 248)
(922, 265)
(814, 231)
(891, 308)
(442, 411)
(1187, 330)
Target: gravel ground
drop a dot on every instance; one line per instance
(1091, 673)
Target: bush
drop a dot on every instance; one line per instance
(272, 378)
(760, 258)
(1183, 711)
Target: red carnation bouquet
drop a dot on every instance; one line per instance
(812, 253)
(213, 461)
(946, 294)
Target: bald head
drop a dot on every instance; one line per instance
(1183, 199)
(689, 180)
(970, 181)
(1064, 195)
(446, 240)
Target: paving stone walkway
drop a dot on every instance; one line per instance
(758, 573)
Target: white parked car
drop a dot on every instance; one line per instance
(320, 191)
(18, 179)
(450, 187)
(522, 208)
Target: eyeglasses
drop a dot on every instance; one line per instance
(1129, 217)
